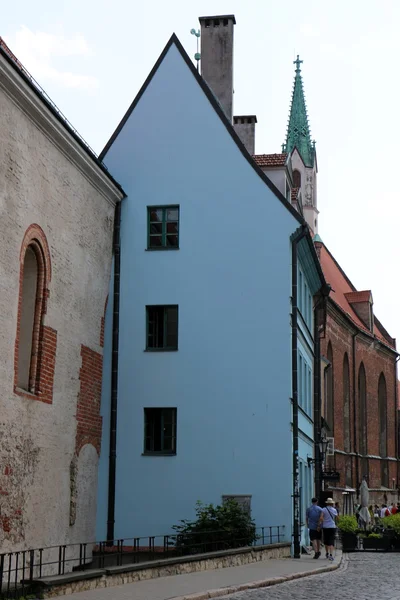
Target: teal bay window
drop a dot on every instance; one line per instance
(162, 328)
(160, 431)
(163, 227)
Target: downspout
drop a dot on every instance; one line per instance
(396, 399)
(317, 395)
(354, 410)
(114, 378)
(295, 399)
(317, 407)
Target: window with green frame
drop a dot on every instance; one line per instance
(162, 227)
(162, 327)
(159, 431)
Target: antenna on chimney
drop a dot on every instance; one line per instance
(197, 56)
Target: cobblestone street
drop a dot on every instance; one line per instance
(364, 576)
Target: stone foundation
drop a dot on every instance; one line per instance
(82, 581)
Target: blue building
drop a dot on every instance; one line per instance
(202, 313)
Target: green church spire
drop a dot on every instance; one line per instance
(298, 133)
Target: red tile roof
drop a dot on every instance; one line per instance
(342, 289)
(354, 297)
(270, 160)
(8, 51)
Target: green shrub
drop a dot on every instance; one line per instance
(375, 536)
(392, 522)
(347, 524)
(216, 528)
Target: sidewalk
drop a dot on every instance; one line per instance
(208, 584)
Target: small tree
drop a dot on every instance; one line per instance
(216, 528)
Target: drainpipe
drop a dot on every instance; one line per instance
(114, 378)
(396, 399)
(317, 405)
(354, 409)
(317, 393)
(295, 399)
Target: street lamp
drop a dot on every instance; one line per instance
(323, 447)
(323, 444)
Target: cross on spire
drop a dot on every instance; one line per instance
(297, 62)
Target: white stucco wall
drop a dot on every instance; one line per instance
(43, 183)
(308, 190)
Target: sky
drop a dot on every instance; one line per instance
(92, 57)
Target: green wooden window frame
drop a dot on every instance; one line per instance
(162, 328)
(163, 227)
(160, 431)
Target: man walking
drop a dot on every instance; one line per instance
(313, 516)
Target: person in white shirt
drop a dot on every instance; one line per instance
(328, 522)
(383, 510)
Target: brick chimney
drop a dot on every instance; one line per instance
(245, 127)
(362, 303)
(217, 58)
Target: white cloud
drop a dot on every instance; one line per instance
(38, 51)
(309, 30)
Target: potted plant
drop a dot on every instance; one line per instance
(376, 541)
(391, 529)
(347, 525)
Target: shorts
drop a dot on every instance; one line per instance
(315, 534)
(329, 536)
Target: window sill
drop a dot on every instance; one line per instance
(305, 413)
(161, 248)
(25, 394)
(160, 350)
(158, 453)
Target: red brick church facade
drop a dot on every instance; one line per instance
(359, 391)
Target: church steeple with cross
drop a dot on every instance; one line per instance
(298, 132)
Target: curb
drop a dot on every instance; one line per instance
(226, 591)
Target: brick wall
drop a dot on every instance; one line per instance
(376, 360)
(88, 416)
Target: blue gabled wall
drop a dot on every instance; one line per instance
(231, 377)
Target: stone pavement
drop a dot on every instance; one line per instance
(362, 576)
(200, 583)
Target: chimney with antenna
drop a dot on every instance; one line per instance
(217, 58)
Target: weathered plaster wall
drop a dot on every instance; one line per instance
(39, 184)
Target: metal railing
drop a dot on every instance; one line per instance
(19, 570)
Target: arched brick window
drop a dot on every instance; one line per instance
(35, 344)
(362, 421)
(329, 391)
(346, 404)
(382, 414)
(296, 178)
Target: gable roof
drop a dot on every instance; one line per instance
(342, 289)
(216, 106)
(230, 129)
(13, 61)
(271, 160)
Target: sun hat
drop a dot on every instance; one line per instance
(329, 501)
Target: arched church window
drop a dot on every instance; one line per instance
(382, 410)
(362, 422)
(346, 404)
(34, 278)
(329, 390)
(296, 178)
